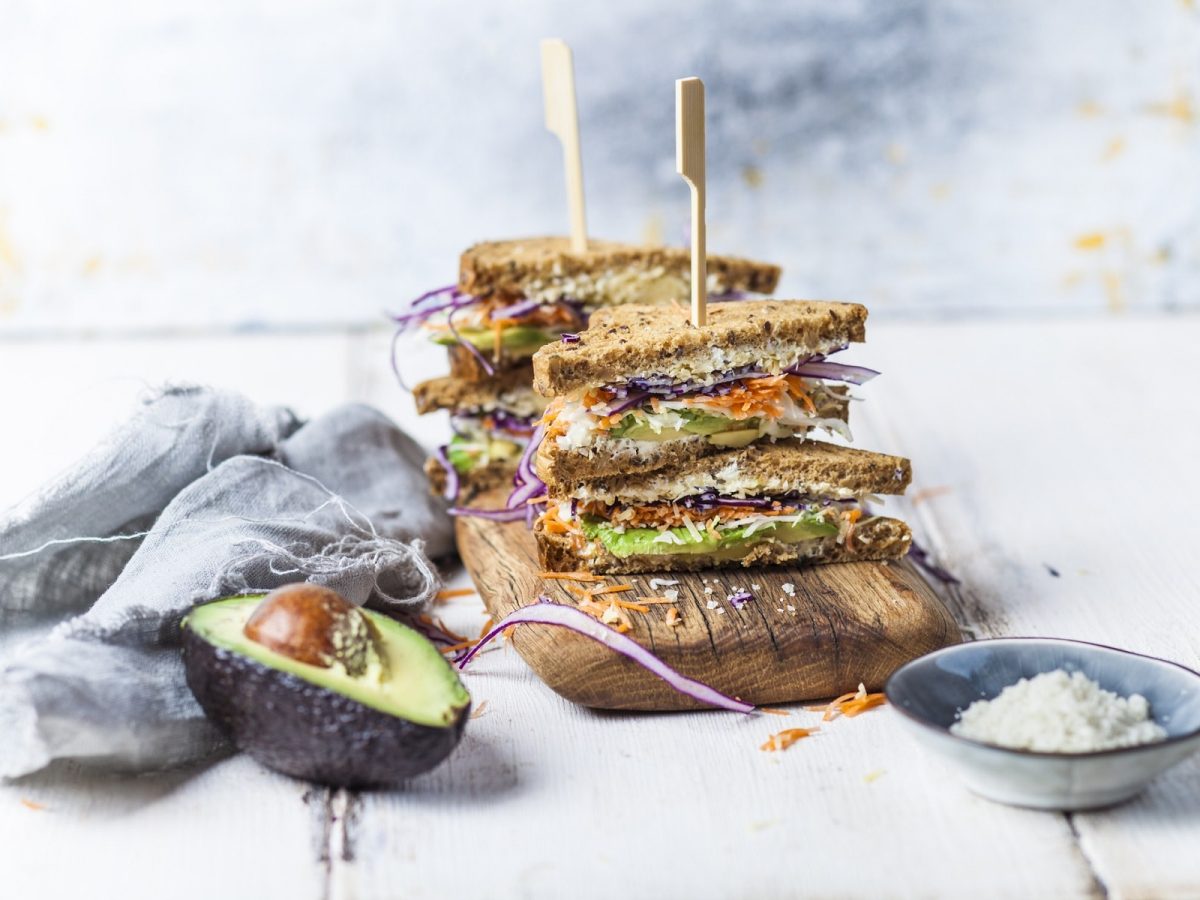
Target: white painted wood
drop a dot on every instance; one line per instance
(1038, 433)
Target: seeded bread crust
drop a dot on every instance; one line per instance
(506, 267)
(455, 393)
(485, 478)
(613, 457)
(643, 340)
(797, 462)
(465, 367)
(874, 539)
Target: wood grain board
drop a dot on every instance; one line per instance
(837, 626)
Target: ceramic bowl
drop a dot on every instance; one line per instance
(931, 690)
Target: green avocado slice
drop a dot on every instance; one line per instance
(407, 677)
(466, 454)
(636, 428)
(643, 541)
(516, 339)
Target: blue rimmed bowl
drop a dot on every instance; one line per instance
(930, 691)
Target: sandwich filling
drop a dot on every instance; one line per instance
(510, 327)
(498, 431)
(728, 409)
(704, 523)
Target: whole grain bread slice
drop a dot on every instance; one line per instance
(477, 481)
(510, 267)
(791, 464)
(453, 393)
(874, 539)
(625, 341)
(608, 457)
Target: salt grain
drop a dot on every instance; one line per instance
(1057, 712)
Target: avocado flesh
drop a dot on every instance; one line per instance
(405, 677)
(515, 339)
(734, 542)
(466, 454)
(636, 428)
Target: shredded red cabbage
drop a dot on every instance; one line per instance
(516, 310)
(474, 351)
(452, 479)
(818, 368)
(568, 337)
(921, 557)
(740, 599)
(546, 612)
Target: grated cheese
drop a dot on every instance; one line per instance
(1059, 712)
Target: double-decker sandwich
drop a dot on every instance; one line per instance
(512, 297)
(642, 390)
(492, 421)
(794, 501)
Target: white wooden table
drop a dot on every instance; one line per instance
(1045, 445)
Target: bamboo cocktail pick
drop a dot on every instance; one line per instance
(689, 162)
(562, 119)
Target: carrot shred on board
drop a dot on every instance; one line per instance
(611, 589)
(461, 645)
(783, 739)
(454, 592)
(633, 605)
(774, 712)
(655, 601)
(673, 619)
(30, 804)
(571, 576)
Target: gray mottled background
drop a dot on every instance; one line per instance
(248, 163)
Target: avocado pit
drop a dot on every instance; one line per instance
(313, 625)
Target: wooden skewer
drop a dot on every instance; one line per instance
(689, 162)
(562, 119)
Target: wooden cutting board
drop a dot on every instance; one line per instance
(839, 625)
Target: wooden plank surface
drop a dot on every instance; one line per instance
(1064, 444)
(830, 629)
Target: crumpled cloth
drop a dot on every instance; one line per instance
(201, 495)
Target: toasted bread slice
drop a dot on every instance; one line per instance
(608, 457)
(762, 469)
(495, 474)
(874, 538)
(628, 341)
(546, 268)
(507, 388)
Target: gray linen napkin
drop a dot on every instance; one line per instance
(241, 499)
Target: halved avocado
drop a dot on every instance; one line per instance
(317, 688)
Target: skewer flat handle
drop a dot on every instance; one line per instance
(562, 119)
(689, 162)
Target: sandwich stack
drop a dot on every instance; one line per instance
(513, 297)
(670, 448)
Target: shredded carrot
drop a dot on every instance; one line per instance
(461, 645)
(850, 705)
(784, 739)
(655, 601)
(611, 589)
(508, 632)
(774, 712)
(454, 592)
(571, 576)
(636, 607)
(479, 710)
(673, 619)
(30, 804)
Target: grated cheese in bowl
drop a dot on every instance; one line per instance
(1059, 712)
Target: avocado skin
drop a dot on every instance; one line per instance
(308, 731)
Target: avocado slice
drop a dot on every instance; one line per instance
(515, 339)
(466, 454)
(350, 699)
(636, 428)
(733, 543)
